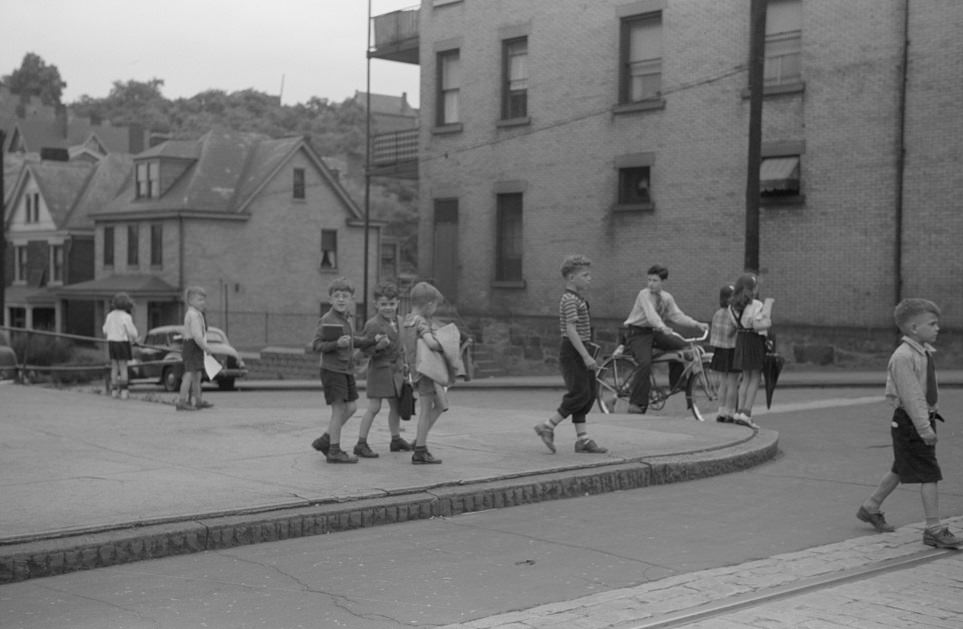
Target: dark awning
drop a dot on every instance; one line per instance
(779, 173)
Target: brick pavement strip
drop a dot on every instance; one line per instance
(926, 595)
(42, 557)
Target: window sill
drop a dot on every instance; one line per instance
(652, 104)
(445, 129)
(633, 207)
(779, 90)
(508, 284)
(778, 202)
(514, 122)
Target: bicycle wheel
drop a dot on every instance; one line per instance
(614, 378)
(702, 392)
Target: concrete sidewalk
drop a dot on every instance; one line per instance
(89, 481)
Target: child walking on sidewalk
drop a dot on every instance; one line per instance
(383, 381)
(911, 387)
(575, 360)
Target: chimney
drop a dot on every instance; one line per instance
(61, 118)
(135, 138)
(157, 138)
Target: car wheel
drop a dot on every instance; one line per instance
(226, 384)
(171, 379)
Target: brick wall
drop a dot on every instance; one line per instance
(828, 263)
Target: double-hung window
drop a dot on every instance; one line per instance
(133, 245)
(515, 78)
(20, 264)
(641, 43)
(783, 42)
(157, 244)
(57, 263)
(298, 192)
(509, 245)
(449, 87)
(147, 175)
(108, 246)
(329, 249)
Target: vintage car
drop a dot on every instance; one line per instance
(8, 358)
(158, 357)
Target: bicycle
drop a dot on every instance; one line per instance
(616, 374)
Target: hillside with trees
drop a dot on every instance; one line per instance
(335, 129)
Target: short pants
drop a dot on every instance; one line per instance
(338, 387)
(913, 460)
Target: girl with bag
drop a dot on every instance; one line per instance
(753, 320)
(385, 379)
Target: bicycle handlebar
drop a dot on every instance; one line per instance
(694, 339)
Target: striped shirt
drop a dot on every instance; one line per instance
(572, 308)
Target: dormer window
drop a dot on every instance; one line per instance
(148, 180)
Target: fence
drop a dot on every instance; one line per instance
(40, 355)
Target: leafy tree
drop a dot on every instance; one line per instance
(36, 78)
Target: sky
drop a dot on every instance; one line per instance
(317, 46)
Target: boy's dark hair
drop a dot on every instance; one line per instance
(340, 283)
(573, 263)
(725, 294)
(658, 269)
(388, 290)
(906, 310)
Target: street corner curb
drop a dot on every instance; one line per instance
(52, 556)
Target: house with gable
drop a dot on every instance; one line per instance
(51, 240)
(261, 223)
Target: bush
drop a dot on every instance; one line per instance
(40, 349)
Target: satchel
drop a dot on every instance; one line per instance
(406, 400)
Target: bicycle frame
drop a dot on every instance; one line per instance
(617, 373)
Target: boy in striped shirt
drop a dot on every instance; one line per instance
(575, 358)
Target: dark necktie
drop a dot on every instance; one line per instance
(932, 395)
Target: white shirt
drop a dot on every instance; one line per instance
(119, 326)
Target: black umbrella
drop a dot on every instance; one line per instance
(771, 368)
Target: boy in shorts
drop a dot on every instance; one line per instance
(337, 369)
(911, 387)
(194, 349)
(576, 358)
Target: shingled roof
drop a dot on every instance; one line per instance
(224, 171)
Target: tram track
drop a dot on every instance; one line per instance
(737, 603)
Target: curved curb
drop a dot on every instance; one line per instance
(136, 542)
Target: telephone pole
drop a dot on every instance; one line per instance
(757, 60)
(3, 234)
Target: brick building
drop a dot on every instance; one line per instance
(618, 129)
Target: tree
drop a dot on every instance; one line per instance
(35, 78)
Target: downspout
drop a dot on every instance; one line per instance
(180, 260)
(901, 160)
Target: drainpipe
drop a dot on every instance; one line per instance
(180, 260)
(901, 160)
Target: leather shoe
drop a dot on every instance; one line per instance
(637, 410)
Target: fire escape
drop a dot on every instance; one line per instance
(395, 38)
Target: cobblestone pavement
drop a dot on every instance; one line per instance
(867, 582)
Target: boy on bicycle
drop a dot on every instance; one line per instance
(647, 328)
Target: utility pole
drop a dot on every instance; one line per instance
(367, 168)
(757, 60)
(3, 234)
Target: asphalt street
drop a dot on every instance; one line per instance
(613, 559)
